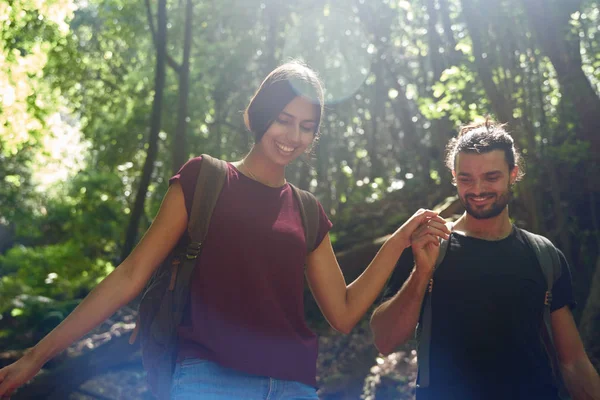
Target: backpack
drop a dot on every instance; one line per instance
(548, 260)
(166, 295)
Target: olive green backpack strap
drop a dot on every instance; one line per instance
(309, 211)
(208, 188)
(209, 183)
(423, 332)
(166, 297)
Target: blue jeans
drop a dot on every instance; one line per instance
(202, 379)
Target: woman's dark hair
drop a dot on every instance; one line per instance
(281, 86)
(482, 138)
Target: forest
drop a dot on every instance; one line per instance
(101, 101)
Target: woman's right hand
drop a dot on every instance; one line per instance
(116, 290)
(18, 373)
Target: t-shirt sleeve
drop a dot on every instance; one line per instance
(562, 290)
(404, 267)
(324, 226)
(187, 177)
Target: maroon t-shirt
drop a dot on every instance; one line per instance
(246, 306)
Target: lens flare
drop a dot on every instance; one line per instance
(330, 41)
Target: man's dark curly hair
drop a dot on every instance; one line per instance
(484, 137)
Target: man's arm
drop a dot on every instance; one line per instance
(579, 374)
(394, 321)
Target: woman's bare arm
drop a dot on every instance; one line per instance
(117, 289)
(344, 305)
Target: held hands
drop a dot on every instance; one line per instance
(425, 243)
(426, 226)
(17, 373)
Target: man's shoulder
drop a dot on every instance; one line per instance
(550, 258)
(528, 232)
(533, 238)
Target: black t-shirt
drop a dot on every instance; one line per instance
(487, 310)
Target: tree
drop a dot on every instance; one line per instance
(561, 43)
(155, 126)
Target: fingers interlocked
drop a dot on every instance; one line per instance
(431, 231)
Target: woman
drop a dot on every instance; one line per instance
(245, 335)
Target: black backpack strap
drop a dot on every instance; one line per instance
(549, 261)
(424, 326)
(309, 211)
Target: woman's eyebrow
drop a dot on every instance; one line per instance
(294, 117)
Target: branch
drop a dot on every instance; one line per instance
(170, 61)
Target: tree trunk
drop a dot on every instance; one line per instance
(551, 25)
(155, 125)
(179, 143)
(501, 106)
(272, 18)
(454, 56)
(438, 63)
(441, 129)
(412, 141)
(377, 110)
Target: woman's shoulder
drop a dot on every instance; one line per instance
(193, 162)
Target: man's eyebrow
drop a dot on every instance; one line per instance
(497, 172)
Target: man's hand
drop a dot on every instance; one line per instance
(417, 221)
(425, 243)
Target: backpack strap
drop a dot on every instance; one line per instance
(549, 261)
(208, 187)
(159, 352)
(424, 326)
(309, 212)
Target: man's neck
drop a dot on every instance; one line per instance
(495, 228)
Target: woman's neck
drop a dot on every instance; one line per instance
(259, 168)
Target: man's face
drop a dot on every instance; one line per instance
(484, 183)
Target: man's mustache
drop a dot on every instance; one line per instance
(487, 194)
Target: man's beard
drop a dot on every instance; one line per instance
(492, 210)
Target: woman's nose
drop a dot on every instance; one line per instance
(294, 134)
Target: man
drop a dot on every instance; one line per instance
(488, 304)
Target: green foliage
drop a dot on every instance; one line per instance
(456, 95)
(27, 33)
(60, 271)
(380, 156)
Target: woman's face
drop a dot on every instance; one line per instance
(291, 133)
